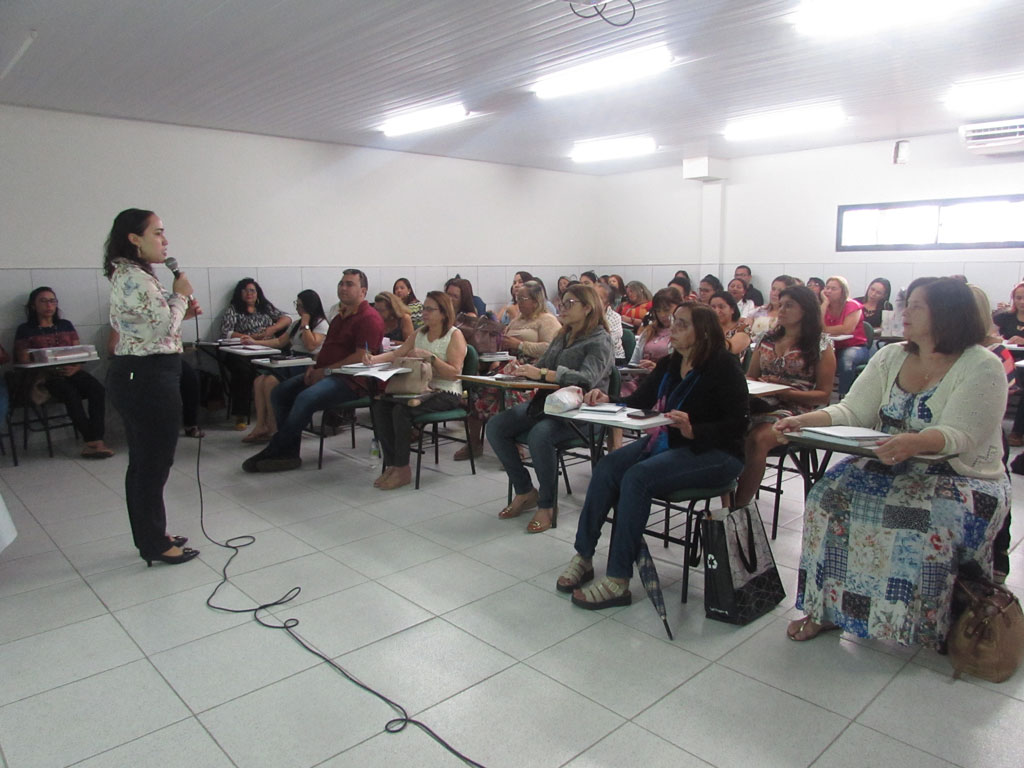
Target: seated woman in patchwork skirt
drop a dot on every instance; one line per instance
(884, 537)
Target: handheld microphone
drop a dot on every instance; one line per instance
(172, 264)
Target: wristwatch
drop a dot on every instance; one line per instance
(305, 328)
(543, 374)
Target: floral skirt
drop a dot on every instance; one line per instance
(882, 546)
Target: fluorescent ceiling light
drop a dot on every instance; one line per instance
(609, 72)
(996, 95)
(785, 122)
(425, 119)
(848, 18)
(595, 150)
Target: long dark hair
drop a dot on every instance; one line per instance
(708, 331)
(132, 221)
(263, 304)
(888, 290)
(411, 298)
(811, 327)
(714, 282)
(314, 307)
(30, 307)
(465, 295)
(728, 299)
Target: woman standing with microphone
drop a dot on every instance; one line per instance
(143, 379)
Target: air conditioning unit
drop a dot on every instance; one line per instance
(996, 138)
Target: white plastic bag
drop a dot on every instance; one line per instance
(564, 399)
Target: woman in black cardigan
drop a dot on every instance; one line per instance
(701, 388)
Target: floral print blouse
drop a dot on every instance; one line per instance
(147, 318)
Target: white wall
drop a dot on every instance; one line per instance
(780, 211)
(293, 213)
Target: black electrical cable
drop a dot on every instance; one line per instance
(599, 11)
(237, 543)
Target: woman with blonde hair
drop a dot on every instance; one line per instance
(637, 304)
(580, 355)
(844, 316)
(528, 337)
(396, 315)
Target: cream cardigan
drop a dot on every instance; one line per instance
(967, 407)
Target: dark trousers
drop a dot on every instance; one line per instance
(146, 392)
(241, 375)
(189, 394)
(71, 390)
(392, 420)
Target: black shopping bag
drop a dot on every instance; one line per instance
(741, 581)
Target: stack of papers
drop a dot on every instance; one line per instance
(860, 436)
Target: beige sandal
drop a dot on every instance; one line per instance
(576, 574)
(517, 507)
(799, 632)
(603, 594)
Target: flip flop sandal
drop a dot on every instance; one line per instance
(604, 594)
(801, 635)
(575, 575)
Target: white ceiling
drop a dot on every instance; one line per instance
(332, 70)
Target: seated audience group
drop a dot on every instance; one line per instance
(883, 536)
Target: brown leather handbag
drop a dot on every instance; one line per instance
(987, 640)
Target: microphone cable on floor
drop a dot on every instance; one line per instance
(236, 544)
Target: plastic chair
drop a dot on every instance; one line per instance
(628, 343)
(34, 418)
(470, 366)
(346, 417)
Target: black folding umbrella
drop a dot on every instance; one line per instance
(652, 584)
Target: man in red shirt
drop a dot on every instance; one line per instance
(357, 328)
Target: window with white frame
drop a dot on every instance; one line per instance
(975, 222)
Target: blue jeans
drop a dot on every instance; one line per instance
(627, 482)
(541, 436)
(294, 405)
(847, 360)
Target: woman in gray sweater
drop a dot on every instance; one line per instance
(580, 355)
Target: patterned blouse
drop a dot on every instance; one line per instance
(789, 369)
(147, 319)
(61, 334)
(249, 322)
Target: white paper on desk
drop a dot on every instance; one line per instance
(857, 434)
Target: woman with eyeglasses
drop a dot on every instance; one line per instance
(700, 387)
(441, 344)
(306, 337)
(68, 383)
(580, 355)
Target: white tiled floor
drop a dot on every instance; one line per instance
(429, 597)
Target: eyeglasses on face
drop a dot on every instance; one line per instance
(43, 300)
(429, 308)
(568, 304)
